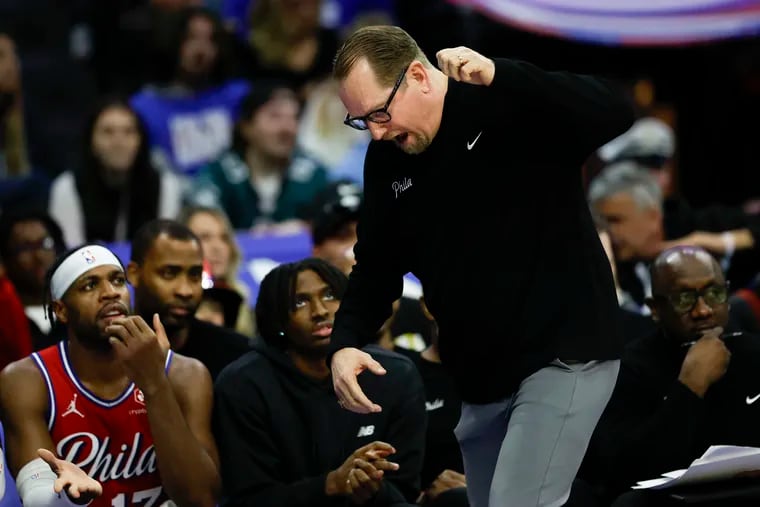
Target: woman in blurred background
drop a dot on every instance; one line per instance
(221, 255)
(116, 188)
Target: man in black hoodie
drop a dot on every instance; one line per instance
(473, 150)
(283, 439)
(683, 388)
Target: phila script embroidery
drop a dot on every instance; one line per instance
(400, 186)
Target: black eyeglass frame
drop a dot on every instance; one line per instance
(45, 244)
(380, 115)
(700, 293)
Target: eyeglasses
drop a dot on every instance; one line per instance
(47, 244)
(684, 301)
(378, 115)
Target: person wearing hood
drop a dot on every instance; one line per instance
(283, 438)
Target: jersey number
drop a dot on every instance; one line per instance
(149, 496)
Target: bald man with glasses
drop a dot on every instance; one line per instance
(691, 384)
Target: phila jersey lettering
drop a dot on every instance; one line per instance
(108, 439)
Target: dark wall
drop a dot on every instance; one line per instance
(713, 89)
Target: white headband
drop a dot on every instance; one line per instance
(79, 263)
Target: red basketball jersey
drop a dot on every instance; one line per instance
(108, 439)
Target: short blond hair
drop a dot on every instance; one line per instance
(189, 212)
(387, 49)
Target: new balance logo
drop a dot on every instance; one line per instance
(72, 408)
(433, 405)
(366, 431)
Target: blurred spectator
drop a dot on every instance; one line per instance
(624, 299)
(20, 187)
(8, 494)
(344, 14)
(190, 114)
(681, 388)
(745, 306)
(322, 134)
(54, 46)
(278, 400)
(264, 181)
(166, 269)
(403, 329)
(116, 189)
(338, 14)
(13, 156)
(29, 245)
(129, 37)
(287, 42)
(630, 201)
(443, 479)
(651, 143)
(634, 320)
(222, 255)
(335, 212)
(219, 306)
(15, 338)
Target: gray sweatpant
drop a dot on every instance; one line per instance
(525, 451)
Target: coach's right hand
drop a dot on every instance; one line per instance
(346, 366)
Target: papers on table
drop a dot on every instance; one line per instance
(719, 462)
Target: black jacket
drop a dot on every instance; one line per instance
(214, 346)
(503, 169)
(654, 424)
(444, 408)
(279, 432)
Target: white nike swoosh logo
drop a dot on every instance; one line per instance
(750, 401)
(470, 145)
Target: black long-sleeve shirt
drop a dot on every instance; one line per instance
(654, 423)
(503, 169)
(280, 433)
(443, 406)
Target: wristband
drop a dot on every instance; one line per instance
(729, 243)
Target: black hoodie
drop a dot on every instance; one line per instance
(279, 432)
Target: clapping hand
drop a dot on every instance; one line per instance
(361, 474)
